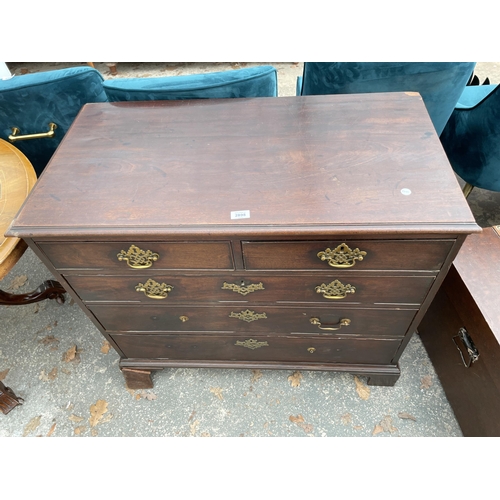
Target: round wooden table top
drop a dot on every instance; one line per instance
(17, 178)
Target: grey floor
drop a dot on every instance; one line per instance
(53, 357)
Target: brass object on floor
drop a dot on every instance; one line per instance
(41, 135)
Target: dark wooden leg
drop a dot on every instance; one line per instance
(137, 379)
(49, 289)
(8, 400)
(385, 380)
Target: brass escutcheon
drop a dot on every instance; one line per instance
(342, 256)
(335, 290)
(183, 318)
(248, 316)
(251, 344)
(137, 258)
(311, 349)
(242, 289)
(335, 326)
(153, 289)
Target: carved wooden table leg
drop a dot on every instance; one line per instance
(8, 400)
(49, 289)
(137, 379)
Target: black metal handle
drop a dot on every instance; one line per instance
(472, 351)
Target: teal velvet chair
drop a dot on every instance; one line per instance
(439, 83)
(256, 81)
(471, 138)
(30, 103)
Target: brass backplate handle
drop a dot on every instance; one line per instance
(15, 136)
(154, 290)
(341, 256)
(335, 326)
(137, 258)
(335, 290)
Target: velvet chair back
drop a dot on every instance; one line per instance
(257, 81)
(471, 138)
(30, 102)
(439, 83)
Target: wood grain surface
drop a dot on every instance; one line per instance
(369, 290)
(17, 178)
(339, 350)
(293, 162)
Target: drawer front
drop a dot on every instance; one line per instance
(362, 255)
(321, 288)
(235, 319)
(257, 348)
(137, 256)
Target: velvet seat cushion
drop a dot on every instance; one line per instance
(30, 102)
(439, 83)
(257, 81)
(471, 138)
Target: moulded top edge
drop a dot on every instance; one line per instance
(241, 231)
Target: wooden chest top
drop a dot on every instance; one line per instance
(363, 163)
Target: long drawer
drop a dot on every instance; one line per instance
(131, 257)
(426, 255)
(257, 348)
(322, 289)
(266, 319)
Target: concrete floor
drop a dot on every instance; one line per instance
(81, 393)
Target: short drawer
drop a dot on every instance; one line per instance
(257, 348)
(234, 319)
(137, 256)
(320, 288)
(363, 255)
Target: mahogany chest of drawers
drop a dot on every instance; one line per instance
(294, 233)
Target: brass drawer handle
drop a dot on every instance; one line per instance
(248, 316)
(335, 326)
(242, 289)
(342, 256)
(311, 349)
(251, 344)
(42, 135)
(154, 290)
(137, 258)
(335, 290)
